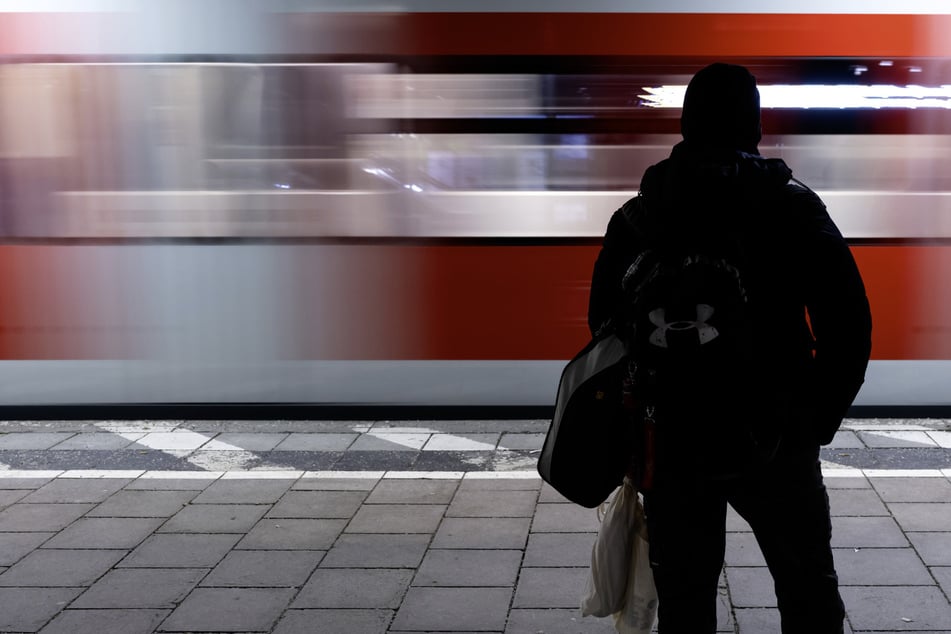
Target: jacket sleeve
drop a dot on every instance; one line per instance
(617, 252)
(840, 319)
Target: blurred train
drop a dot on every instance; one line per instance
(237, 202)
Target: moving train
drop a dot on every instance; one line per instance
(273, 202)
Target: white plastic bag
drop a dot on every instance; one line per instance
(640, 598)
(605, 590)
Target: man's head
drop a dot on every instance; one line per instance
(721, 109)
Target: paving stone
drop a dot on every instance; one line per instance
(334, 622)
(292, 534)
(845, 439)
(76, 490)
(258, 441)
(307, 483)
(757, 620)
(880, 567)
(21, 483)
(302, 460)
(134, 588)
(178, 439)
(565, 518)
(913, 489)
(742, 549)
(933, 548)
(472, 483)
(457, 568)
(180, 551)
(397, 518)
(553, 621)
(14, 546)
(917, 516)
(522, 441)
(556, 550)
(143, 504)
(735, 522)
(376, 551)
(550, 587)
(889, 439)
(229, 610)
(856, 503)
(170, 484)
(98, 440)
(549, 495)
(453, 609)
(105, 533)
(880, 608)
(9, 496)
(318, 504)
(32, 440)
(99, 621)
(60, 568)
(353, 460)
(396, 491)
(244, 491)
(462, 442)
(28, 609)
(40, 517)
(858, 482)
(264, 568)
(472, 532)
(943, 576)
(317, 442)
(493, 504)
(751, 587)
(354, 588)
(389, 441)
(456, 461)
(866, 532)
(215, 518)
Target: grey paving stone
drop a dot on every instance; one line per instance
(318, 504)
(40, 517)
(100, 621)
(453, 609)
(317, 442)
(95, 440)
(493, 504)
(564, 518)
(735, 522)
(60, 568)
(743, 550)
(143, 504)
(334, 622)
(555, 550)
(913, 489)
(22, 483)
(866, 532)
(105, 533)
(398, 491)
(845, 439)
(215, 518)
(247, 441)
(336, 484)
(76, 490)
(244, 491)
(133, 588)
(856, 503)
(292, 534)
(32, 440)
(301, 460)
(942, 575)
(390, 441)
(880, 567)
(919, 516)
(354, 460)
(522, 441)
(549, 495)
(458, 568)
(229, 610)
(264, 569)
(477, 532)
(550, 587)
(458, 441)
(751, 587)
(859, 482)
(757, 620)
(354, 588)
(180, 551)
(553, 621)
(28, 609)
(883, 608)
(169, 484)
(463, 461)
(933, 548)
(397, 518)
(14, 546)
(9, 496)
(503, 484)
(376, 551)
(887, 439)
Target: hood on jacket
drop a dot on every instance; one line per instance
(721, 109)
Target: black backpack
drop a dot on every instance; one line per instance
(693, 381)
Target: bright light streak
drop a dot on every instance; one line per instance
(822, 96)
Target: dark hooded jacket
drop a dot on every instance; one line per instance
(812, 322)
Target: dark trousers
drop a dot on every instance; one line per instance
(787, 507)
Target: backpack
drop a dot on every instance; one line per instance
(692, 380)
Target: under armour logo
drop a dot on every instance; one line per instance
(705, 332)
